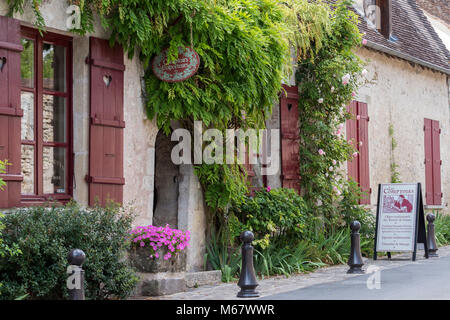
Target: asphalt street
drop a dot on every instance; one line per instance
(418, 280)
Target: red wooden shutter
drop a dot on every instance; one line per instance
(106, 130)
(10, 110)
(363, 137)
(436, 163)
(351, 127)
(428, 161)
(290, 165)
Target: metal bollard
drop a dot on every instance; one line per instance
(247, 280)
(431, 237)
(75, 281)
(355, 260)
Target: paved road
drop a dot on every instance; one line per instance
(420, 280)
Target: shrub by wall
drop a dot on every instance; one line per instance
(46, 235)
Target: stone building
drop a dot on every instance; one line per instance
(73, 122)
(406, 103)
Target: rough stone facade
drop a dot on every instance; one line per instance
(404, 94)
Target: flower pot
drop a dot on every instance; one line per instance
(141, 261)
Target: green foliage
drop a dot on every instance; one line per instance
(46, 235)
(224, 183)
(222, 256)
(322, 114)
(3, 165)
(277, 215)
(395, 175)
(442, 228)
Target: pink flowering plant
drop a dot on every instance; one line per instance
(160, 239)
(333, 76)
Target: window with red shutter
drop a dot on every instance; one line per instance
(433, 192)
(46, 126)
(106, 130)
(358, 134)
(290, 165)
(10, 110)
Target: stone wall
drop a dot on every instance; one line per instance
(404, 94)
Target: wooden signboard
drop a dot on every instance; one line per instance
(183, 68)
(400, 219)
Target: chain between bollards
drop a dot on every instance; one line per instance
(355, 261)
(247, 280)
(75, 281)
(431, 237)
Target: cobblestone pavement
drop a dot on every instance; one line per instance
(280, 284)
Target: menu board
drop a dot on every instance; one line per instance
(397, 217)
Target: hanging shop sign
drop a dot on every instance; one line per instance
(400, 219)
(183, 68)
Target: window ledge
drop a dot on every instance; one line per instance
(434, 207)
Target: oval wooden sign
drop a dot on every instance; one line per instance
(183, 68)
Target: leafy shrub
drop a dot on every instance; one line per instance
(442, 229)
(46, 235)
(278, 214)
(223, 256)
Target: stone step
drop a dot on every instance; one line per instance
(164, 283)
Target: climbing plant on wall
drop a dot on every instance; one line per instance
(327, 83)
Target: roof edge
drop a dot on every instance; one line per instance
(404, 56)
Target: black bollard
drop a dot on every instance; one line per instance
(431, 237)
(247, 280)
(75, 281)
(355, 260)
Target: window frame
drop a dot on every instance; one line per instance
(39, 197)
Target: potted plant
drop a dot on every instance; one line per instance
(158, 249)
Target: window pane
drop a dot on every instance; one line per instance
(54, 118)
(55, 166)
(28, 169)
(27, 63)
(54, 58)
(27, 104)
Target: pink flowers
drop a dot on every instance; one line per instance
(268, 188)
(321, 152)
(346, 79)
(358, 117)
(353, 94)
(336, 190)
(172, 240)
(334, 162)
(339, 130)
(364, 41)
(355, 154)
